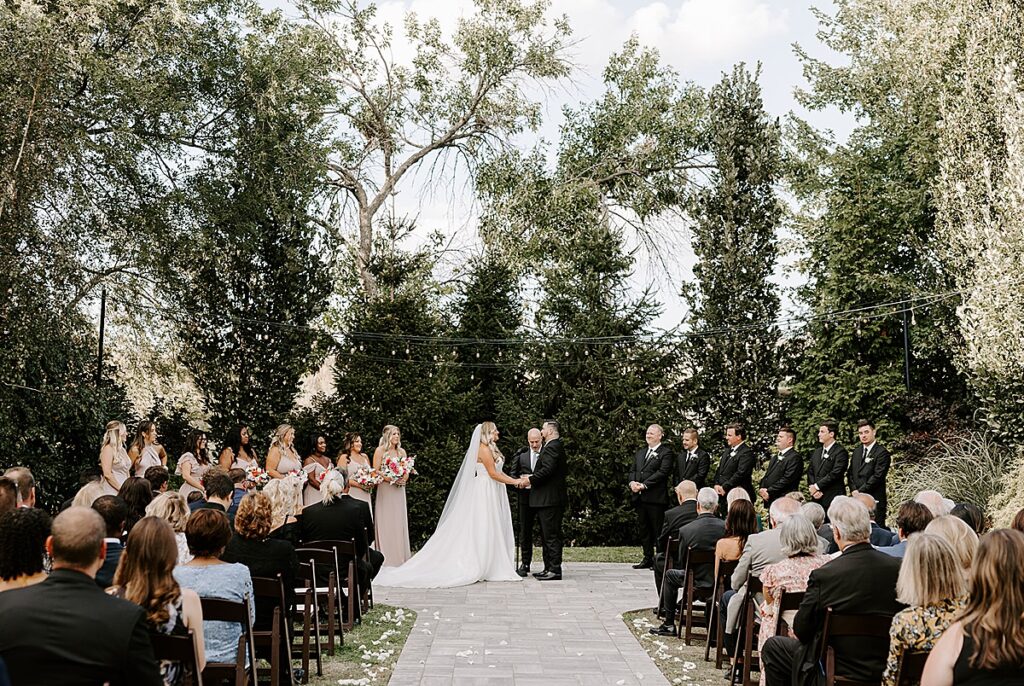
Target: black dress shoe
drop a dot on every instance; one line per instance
(523, 570)
(644, 564)
(664, 630)
(537, 575)
(549, 576)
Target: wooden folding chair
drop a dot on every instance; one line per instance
(694, 559)
(179, 649)
(745, 659)
(348, 583)
(326, 560)
(671, 550)
(269, 593)
(716, 627)
(911, 667)
(307, 611)
(367, 593)
(788, 601)
(220, 610)
(873, 629)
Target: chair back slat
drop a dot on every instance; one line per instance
(178, 649)
(871, 628)
(911, 667)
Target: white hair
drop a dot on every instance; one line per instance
(813, 512)
(782, 509)
(851, 518)
(707, 499)
(934, 501)
(798, 536)
(738, 493)
(333, 484)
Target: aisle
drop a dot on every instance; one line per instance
(551, 633)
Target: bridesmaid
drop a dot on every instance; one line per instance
(352, 458)
(193, 464)
(321, 463)
(237, 452)
(282, 456)
(392, 518)
(114, 461)
(145, 452)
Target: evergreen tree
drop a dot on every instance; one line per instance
(733, 352)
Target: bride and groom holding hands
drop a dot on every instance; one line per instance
(473, 540)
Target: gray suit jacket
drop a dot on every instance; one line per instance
(760, 551)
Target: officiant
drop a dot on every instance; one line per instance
(523, 463)
(648, 486)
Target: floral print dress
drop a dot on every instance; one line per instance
(918, 628)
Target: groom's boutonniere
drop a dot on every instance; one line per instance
(867, 460)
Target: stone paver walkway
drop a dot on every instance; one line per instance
(543, 633)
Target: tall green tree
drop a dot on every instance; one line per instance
(734, 303)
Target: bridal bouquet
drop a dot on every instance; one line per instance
(396, 468)
(300, 474)
(257, 477)
(364, 478)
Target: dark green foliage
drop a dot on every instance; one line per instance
(736, 375)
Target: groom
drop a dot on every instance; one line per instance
(547, 496)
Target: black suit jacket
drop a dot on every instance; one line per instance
(65, 630)
(652, 473)
(343, 518)
(828, 474)
(547, 483)
(695, 470)
(735, 470)
(520, 466)
(702, 533)
(783, 474)
(675, 519)
(869, 477)
(266, 558)
(860, 581)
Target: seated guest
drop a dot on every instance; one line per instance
(815, 513)
(208, 533)
(1018, 521)
(92, 488)
(172, 508)
(934, 501)
(195, 500)
(879, 535)
(736, 495)
(740, 523)
(860, 581)
(960, 536)
(799, 542)
(797, 496)
(675, 519)
(158, 478)
(137, 494)
(23, 534)
(972, 515)
(286, 501)
(26, 485)
(931, 585)
(700, 534)
(65, 630)
(911, 518)
(219, 491)
(340, 517)
(8, 495)
(145, 577)
(237, 476)
(986, 646)
(114, 513)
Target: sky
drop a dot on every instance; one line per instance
(699, 39)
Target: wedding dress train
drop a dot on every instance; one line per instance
(473, 540)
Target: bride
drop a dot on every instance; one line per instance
(473, 540)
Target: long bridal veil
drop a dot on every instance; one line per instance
(473, 540)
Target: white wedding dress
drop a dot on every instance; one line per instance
(473, 540)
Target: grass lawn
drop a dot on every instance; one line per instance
(371, 649)
(681, 664)
(620, 554)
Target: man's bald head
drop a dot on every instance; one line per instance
(686, 490)
(868, 501)
(76, 539)
(534, 438)
(782, 509)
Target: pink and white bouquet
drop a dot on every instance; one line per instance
(256, 476)
(300, 474)
(364, 477)
(397, 468)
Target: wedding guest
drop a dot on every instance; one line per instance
(648, 479)
(675, 519)
(23, 534)
(960, 536)
(114, 460)
(911, 518)
(195, 499)
(321, 463)
(1018, 520)
(286, 507)
(8, 494)
(193, 464)
(798, 540)
(173, 509)
(826, 469)
(88, 477)
(786, 466)
(25, 486)
(816, 515)
(238, 478)
(737, 463)
(740, 524)
(283, 458)
(145, 451)
(208, 533)
(238, 451)
(159, 478)
(986, 645)
(879, 536)
(137, 494)
(693, 462)
(972, 515)
(64, 630)
(391, 517)
(355, 461)
(219, 490)
(869, 469)
(145, 577)
(114, 512)
(797, 496)
(931, 585)
(934, 501)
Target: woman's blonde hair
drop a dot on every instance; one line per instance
(487, 430)
(285, 498)
(994, 616)
(279, 434)
(255, 516)
(146, 566)
(115, 435)
(170, 507)
(385, 437)
(959, 535)
(930, 573)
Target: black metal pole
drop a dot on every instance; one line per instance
(906, 349)
(103, 322)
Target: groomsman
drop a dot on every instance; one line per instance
(827, 469)
(693, 462)
(648, 484)
(784, 469)
(869, 469)
(524, 462)
(737, 463)
(548, 497)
